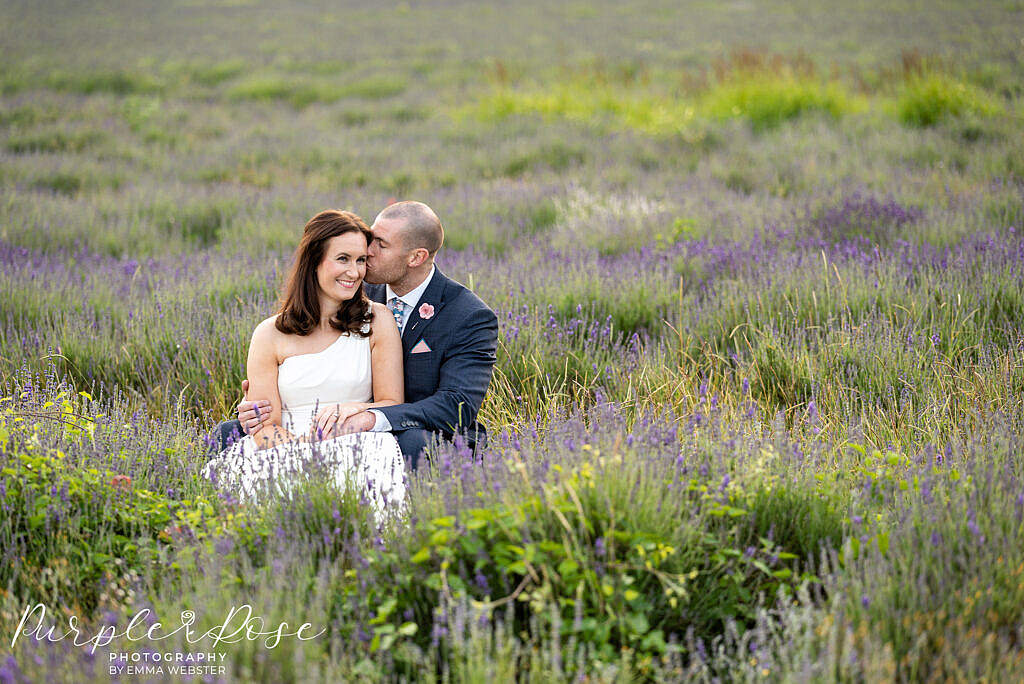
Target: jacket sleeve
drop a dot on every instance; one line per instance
(464, 376)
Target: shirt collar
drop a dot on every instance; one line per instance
(411, 298)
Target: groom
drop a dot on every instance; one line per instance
(449, 337)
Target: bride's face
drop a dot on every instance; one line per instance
(343, 267)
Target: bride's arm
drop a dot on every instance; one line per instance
(385, 369)
(261, 368)
(386, 360)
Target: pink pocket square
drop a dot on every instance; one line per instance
(420, 348)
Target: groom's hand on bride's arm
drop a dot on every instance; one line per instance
(252, 414)
(331, 418)
(359, 422)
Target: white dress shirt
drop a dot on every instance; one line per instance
(411, 299)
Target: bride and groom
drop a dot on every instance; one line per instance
(372, 354)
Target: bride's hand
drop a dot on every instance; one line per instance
(331, 418)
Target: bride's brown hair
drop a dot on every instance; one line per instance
(300, 299)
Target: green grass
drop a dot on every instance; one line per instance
(300, 92)
(932, 98)
(197, 222)
(764, 100)
(26, 115)
(557, 157)
(55, 140)
(71, 182)
(768, 101)
(594, 104)
(213, 74)
(115, 82)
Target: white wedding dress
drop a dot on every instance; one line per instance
(372, 461)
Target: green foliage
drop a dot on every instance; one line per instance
(930, 98)
(301, 93)
(215, 73)
(198, 222)
(139, 112)
(262, 88)
(63, 183)
(70, 182)
(566, 552)
(375, 88)
(68, 525)
(399, 184)
(953, 570)
(56, 140)
(541, 217)
(26, 115)
(593, 103)
(13, 79)
(406, 114)
(327, 520)
(116, 82)
(557, 157)
(767, 101)
(354, 117)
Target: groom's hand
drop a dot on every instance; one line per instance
(252, 414)
(331, 418)
(359, 422)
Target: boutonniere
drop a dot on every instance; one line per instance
(426, 311)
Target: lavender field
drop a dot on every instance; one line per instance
(759, 273)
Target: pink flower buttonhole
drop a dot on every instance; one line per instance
(426, 311)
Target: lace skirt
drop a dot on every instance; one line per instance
(370, 461)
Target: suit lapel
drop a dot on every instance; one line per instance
(434, 296)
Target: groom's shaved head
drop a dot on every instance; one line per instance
(420, 226)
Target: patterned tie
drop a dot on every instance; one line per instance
(397, 308)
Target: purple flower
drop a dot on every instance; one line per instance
(975, 530)
(9, 671)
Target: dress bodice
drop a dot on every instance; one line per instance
(308, 382)
(370, 461)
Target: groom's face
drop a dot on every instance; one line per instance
(387, 261)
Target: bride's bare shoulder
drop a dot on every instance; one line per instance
(267, 333)
(382, 319)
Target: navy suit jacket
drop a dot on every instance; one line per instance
(445, 386)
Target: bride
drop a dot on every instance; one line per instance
(327, 354)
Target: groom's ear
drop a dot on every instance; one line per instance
(418, 257)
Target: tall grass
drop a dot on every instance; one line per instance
(302, 93)
(682, 534)
(928, 99)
